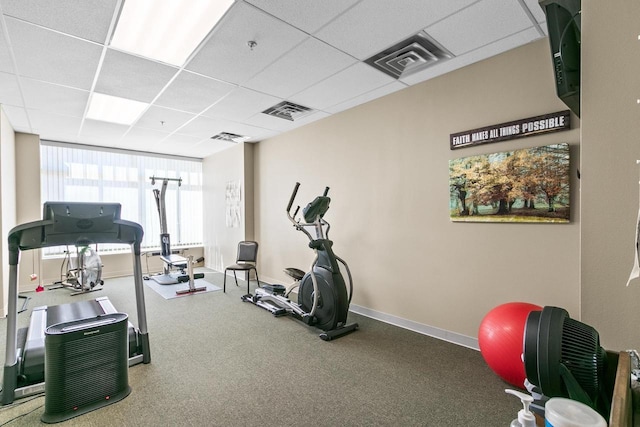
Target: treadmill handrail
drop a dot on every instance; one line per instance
(43, 233)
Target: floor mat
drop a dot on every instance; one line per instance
(169, 291)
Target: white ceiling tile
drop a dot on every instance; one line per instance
(17, 117)
(485, 22)
(373, 25)
(227, 57)
(53, 98)
(139, 137)
(87, 19)
(193, 93)
(132, 77)
(204, 127)
(536, 10)
(181, 140)
(240, 104)
(243, 129)
(9, 90)
(96, 130)
(154, 146)
(212, 146)
(6, 61)
(184, 145)
(182, 148)
(308, 15)
(303, 66)
(366, 97)
(262, 135)
(444, 67)
(307, 52)
(50, 56)
(54, 126)
(518, 39)
(310, 118)
(354, 81)
(60, 135)
(496, 48)
(163, 119)
(271, 123)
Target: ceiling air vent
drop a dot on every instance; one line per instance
(409, 56)
(288, 111)
(230, 137)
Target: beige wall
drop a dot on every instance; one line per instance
(387, 165)
(7, 201)
(249, 176)
(229, 166)
(28, 207)
(610, 148)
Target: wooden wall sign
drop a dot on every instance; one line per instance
(537, 125)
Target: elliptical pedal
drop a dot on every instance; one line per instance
(267, 305)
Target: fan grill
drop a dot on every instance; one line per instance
(579, 341)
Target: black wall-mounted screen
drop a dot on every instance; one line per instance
(563, 25)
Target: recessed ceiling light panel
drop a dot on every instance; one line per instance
(112, 109)
(166, 30)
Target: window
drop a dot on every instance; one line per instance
(78, 173)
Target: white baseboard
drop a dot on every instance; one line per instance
(432, 331)
(420, 328)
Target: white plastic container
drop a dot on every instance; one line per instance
(561, 412)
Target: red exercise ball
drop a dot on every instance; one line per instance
(500, 338)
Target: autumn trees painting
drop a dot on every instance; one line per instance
(528, 185)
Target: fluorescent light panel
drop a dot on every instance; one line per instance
(166, 30)
(112, 109)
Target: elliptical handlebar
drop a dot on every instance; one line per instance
(292, 218)
(292, 198)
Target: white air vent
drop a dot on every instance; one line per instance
(288, 111)
(409, 56)
(230, 137)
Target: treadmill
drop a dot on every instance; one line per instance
(66, 223)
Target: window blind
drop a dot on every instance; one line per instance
(79, 173)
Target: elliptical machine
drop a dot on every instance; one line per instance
(323, 300)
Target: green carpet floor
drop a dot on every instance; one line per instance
(216, 361)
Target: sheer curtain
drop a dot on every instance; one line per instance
(79, 173)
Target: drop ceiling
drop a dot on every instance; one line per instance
(54, 54)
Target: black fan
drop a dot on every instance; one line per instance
(563, 357)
